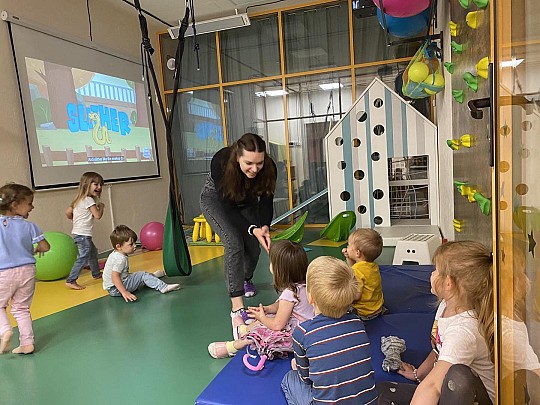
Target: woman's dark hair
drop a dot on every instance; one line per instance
(236, 184)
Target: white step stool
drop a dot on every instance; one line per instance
(416, 248)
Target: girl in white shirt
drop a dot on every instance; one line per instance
(86, 207)
(459, 369)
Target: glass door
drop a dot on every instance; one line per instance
(517, 183)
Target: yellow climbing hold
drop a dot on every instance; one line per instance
(453, 28)
(474, 19)
(482, 67)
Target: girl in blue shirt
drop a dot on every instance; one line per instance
(18, 264)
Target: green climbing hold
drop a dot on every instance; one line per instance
(338, 229)
(456, 48)
(459, 184)
(449, 66)
(295, 233)
(465, 3)
(484, 203)
(471, 80)
(481, 3)
(452, 144)
(459, 96)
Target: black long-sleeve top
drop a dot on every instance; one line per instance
(265, 202)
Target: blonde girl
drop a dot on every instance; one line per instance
(17, 264)
(86, 207)
(276, 322)
(459, 369)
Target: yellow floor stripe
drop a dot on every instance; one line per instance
(53, 296)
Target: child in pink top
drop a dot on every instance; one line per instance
(275, 322)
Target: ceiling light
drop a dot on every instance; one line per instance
(270, 93)
(511, 63)
(217, 24)
(330, 86)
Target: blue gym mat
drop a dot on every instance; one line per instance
(411, 308)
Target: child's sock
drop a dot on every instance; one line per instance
(230, 348)
(171, 287)
(242, 330)
(5, 343)
(23, 349)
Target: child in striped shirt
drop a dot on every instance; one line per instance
(332, 362)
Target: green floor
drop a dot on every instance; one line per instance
(153, 351)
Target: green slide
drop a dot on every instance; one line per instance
(176, 260)
(294, 233)
(338, 229)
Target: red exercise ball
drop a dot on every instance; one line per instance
(403, 8)
(152, 235)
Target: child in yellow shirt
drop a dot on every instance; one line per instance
(364, 246)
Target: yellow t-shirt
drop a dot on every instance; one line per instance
(371, 301)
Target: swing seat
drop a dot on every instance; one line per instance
(339, 228)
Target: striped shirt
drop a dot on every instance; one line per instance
(334, 356)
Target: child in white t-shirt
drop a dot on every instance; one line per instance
(117, 280)
(459, 369)
(86, 207)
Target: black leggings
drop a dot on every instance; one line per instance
(461, 386)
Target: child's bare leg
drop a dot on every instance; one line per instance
(239, 344)
(5, 342)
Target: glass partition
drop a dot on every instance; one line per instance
(316, 37)
(193, 74)
(197, 136)
(251, 52)
(258, 108)
(370, 42)
(315, 104)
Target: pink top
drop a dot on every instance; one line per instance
(302, 310)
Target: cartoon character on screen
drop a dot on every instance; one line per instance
(99, 133)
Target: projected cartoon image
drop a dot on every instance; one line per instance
(84, 117)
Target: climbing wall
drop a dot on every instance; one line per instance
(472, 173)
(380, 125)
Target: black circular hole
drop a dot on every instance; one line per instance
(356, 142)
(378, 103)
(339, 141)
(359, 174)
(378, 194)
(378, 130)
(345, 196)
(362, 209)
(375, 156)
(341, 165)
(378, 220)
(361, 116)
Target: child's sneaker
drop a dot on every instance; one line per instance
(249, 289)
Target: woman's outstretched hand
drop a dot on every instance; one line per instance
(263, 236)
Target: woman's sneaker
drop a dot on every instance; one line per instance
(249, 289)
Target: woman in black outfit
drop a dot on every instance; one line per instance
(237, 201)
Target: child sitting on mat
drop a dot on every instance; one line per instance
(288, 265)
(364, 246)
(117, 280)
(332, 359)
(459, 369)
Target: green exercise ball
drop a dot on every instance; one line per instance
(58, 261)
